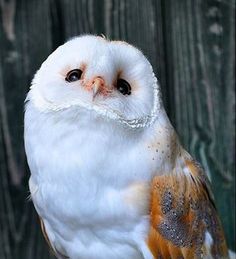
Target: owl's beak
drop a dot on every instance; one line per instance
(98, 85)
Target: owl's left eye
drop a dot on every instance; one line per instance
(74, 75)
(123, 86)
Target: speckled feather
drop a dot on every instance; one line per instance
(182, 215)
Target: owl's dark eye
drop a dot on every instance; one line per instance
(74, 75)
(123, 86)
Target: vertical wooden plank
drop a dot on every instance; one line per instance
(200, 58)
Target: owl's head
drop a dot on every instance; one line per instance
(89, 73)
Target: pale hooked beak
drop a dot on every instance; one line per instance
(96, 87)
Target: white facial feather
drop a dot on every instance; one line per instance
(96, 56)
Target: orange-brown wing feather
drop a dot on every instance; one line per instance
(182, 211)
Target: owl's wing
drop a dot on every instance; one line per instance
(52, 248)
(184, 221)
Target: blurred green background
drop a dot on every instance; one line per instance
(191, 45)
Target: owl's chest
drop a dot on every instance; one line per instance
(88, 182)
(91, 156)
(82, 165)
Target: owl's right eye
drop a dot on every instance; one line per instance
(74, 75)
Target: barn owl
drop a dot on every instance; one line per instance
(109, 177)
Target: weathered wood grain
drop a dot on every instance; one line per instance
(191, 44)
(201, 61)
